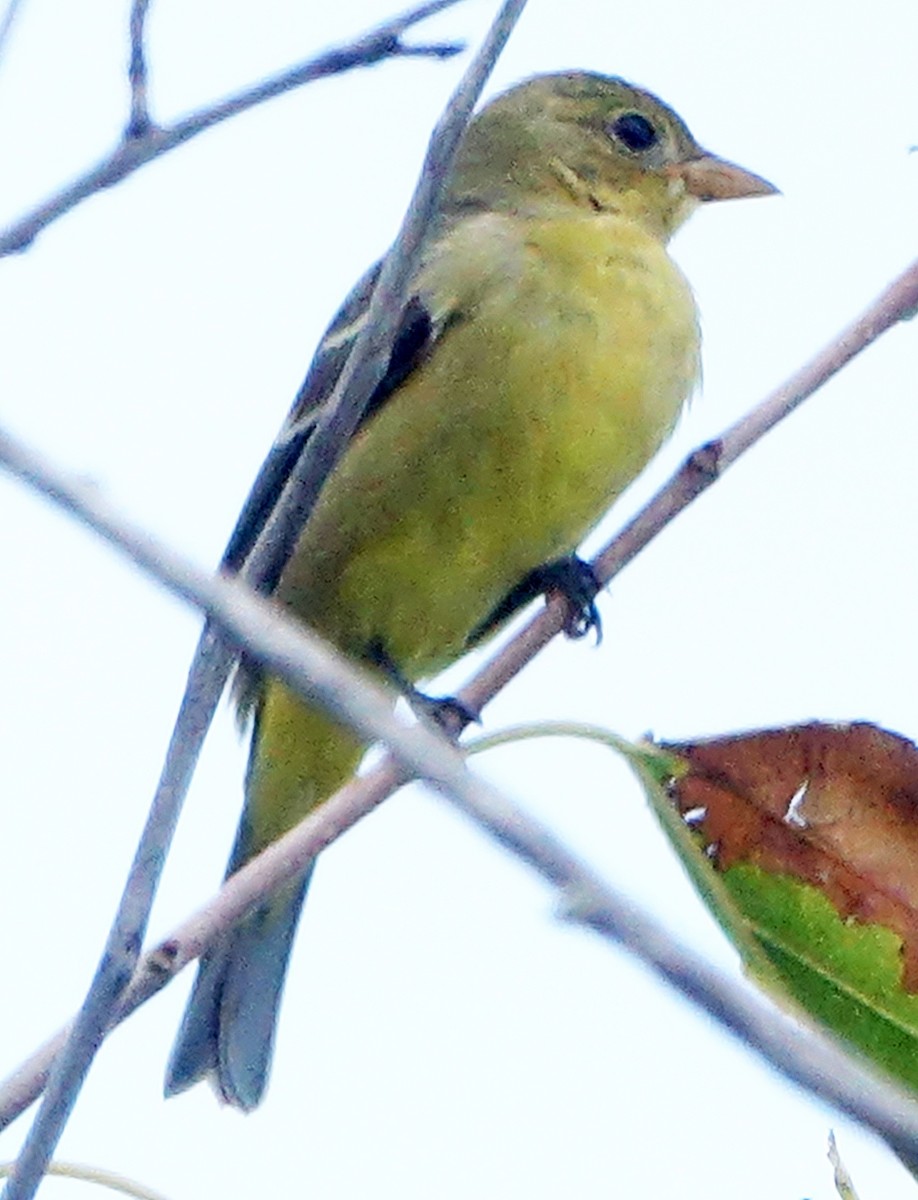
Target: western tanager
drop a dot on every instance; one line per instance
(546, 352)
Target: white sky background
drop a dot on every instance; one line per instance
(442, 1035)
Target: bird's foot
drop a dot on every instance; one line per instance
(576, 580)
(572, 577)
(449, 713)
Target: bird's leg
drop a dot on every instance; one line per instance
(448, 712)
(573, 578)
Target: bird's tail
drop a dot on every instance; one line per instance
(299, 757)
(227, 1033)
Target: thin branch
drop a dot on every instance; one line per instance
(6, 22)
(262, 875)
(295, 654)
(209, 670)
(808, 1058)
(316, 673)
(135, 152)
(702, 468)
(139, 119)
(896, 303)
(285, 647)
(367, 361)
(288, 649)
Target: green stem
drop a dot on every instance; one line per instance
(642, 755)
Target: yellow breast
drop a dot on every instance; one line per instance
(569, 347)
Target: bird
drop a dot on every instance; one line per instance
(546, 351)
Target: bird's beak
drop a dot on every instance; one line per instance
(711, 178)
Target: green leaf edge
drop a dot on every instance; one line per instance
(740, 898)
(655, 770)
(735, 899)
(843, 973)
(656, 774)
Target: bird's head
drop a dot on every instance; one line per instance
(594, 141)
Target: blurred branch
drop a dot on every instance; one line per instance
(369, 358)
(139, 119)
(590, 902)
(136, 149)
(322, 676)
(287, 650)
(213, 658)
(258, 878)
(285, 647)
(702, 468)
(896, 303)
(6, 22)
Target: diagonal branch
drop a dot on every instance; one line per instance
(322, 675)
(11, 12)
(369, 358)
(139, 119)
(213, 658)
(702, 468)
(895, 304)
(135, 151)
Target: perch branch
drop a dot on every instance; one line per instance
(821, 1067)
(208, 672)
(321, 675)
(134, 152)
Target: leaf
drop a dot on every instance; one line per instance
(804, 841)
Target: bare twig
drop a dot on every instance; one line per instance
(208, 672)
(819, 1066)
(697, 473)
(139, 118)
(896, 303)
(368, 359)
(322, 673)
(286, 648)
(134, 152)
(213, 659)
(6, 22)
(318, 673)
(259, 877)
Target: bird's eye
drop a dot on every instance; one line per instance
(635, 131)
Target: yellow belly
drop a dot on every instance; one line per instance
(572, 353)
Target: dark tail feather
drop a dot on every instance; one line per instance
(228, 1029)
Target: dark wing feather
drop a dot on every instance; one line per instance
(318, 385)
(412, 343)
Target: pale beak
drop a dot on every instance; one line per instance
(711, 178)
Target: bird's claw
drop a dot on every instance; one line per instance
(449, 713)
(576, 581)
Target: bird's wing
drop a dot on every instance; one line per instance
(414, 339)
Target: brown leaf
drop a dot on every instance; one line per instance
(833, 805)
